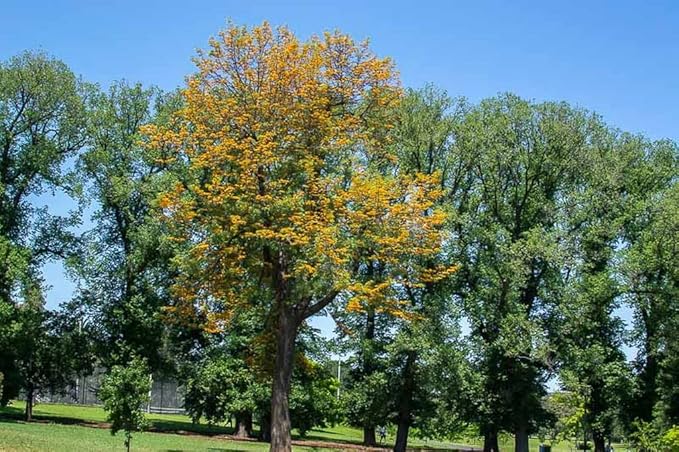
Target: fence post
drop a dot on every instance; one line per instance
(148, 407)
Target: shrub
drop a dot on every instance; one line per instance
(124, 392)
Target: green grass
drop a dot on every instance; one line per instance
(507, 443)
(16, 436)
(79, 414)
(56, 430)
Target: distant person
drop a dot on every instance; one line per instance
(382, 430)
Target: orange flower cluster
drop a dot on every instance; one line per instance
(278, 138)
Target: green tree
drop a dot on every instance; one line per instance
(567, 409)
(223, 387)
(276, 132)
(388, 372)
(313, 397)
(123, 267)
(124, 393)
(656, 251)
(50, 350)
(424, 140)
(42, 125)
(649, 262)
(591, 334)
(367, 394)
(521, 157)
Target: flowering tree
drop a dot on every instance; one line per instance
(280, 194)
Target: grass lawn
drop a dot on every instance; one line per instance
(18, 436)
(507, 444)
(56, 431)
(59, 435)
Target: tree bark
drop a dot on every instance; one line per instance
(243, 425)
(599, 442)
(369, 436)
(29, 403)
(281, 440)
(265, 428)
(405, 403)
(368, 369)
(521, 438)
(402, 435)
(490, 441)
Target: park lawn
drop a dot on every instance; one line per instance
(77, 414)
(506, 442)
(18, 436)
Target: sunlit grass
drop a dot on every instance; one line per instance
(58, 435)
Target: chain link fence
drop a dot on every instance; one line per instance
(167, 395)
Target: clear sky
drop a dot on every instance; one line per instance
(619, 58)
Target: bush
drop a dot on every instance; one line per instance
(648, 438)
(124, 392)
(670, 439)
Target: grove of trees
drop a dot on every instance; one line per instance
(475, 257)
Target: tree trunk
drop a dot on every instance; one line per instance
(281, 441)
(490, 441)
(521, 438)
(599, 442)
(29, 403)
(368, 369)
(405, 403)
(243, 425)
(369, 436)
(265, 428)
(402, 435)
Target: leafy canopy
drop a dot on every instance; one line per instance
(275, 138)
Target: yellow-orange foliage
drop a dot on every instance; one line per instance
(279, 138)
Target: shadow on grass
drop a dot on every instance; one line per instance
(8, 420)
(10, 413)
(215, 449)
(189, 427)
(210, 449)
(313, 437)
(14, 414)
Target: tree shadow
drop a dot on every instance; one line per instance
(211, 449)
(11, 412)
(189, 427)
(8, 420)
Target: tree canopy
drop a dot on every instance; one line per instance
(474, 256)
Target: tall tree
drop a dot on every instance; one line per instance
(648, 260)
(618, 174)
(277, 133)
(42, 125)
(520, 155)
(50, 349)
(123, 265)
(424, 137)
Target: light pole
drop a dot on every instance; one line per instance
(339, 376)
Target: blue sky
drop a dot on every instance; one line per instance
(619, 58)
